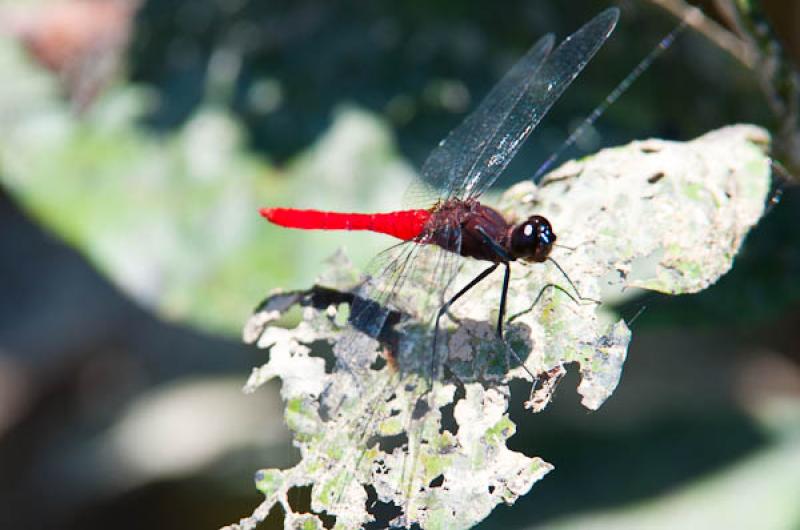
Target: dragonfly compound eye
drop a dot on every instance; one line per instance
(533, 240)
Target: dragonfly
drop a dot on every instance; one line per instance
(461, 168)
(456, 227)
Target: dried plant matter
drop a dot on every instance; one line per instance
(379, 440)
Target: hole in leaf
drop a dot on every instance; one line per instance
(299, 498)
(383, 512)
(328, 521)
(420, 409)
(323, 350)
(276, 516)
(387, 444)
(378, 364)
(449, 422)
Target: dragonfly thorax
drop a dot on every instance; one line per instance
(478, 231)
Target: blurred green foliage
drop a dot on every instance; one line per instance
(172, 218)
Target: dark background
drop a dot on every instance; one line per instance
(712, 384)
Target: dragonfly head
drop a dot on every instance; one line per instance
(533, 239)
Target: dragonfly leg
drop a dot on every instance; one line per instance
(442, 310)
(499, 250)
(539, 296)
(569, 280)
(510, 351)
(503, 297)
(500, 318)
(577, 297)
(506, 259)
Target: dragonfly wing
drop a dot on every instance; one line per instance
(374, 302)
(537, 95)
(472, 157)
(451, 160)
(375, 405)
(412, 279)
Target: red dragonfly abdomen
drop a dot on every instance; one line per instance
(405, 224)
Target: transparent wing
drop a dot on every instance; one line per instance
(476, 152)
(454, 155)
(377, 406)
(411, 278)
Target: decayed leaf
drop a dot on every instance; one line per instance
(386, 439)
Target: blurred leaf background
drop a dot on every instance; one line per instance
(137, 141)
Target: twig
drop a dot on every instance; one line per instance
(756, 47)
(711, 30)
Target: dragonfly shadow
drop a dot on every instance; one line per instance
(469, 351)
(476, 354)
